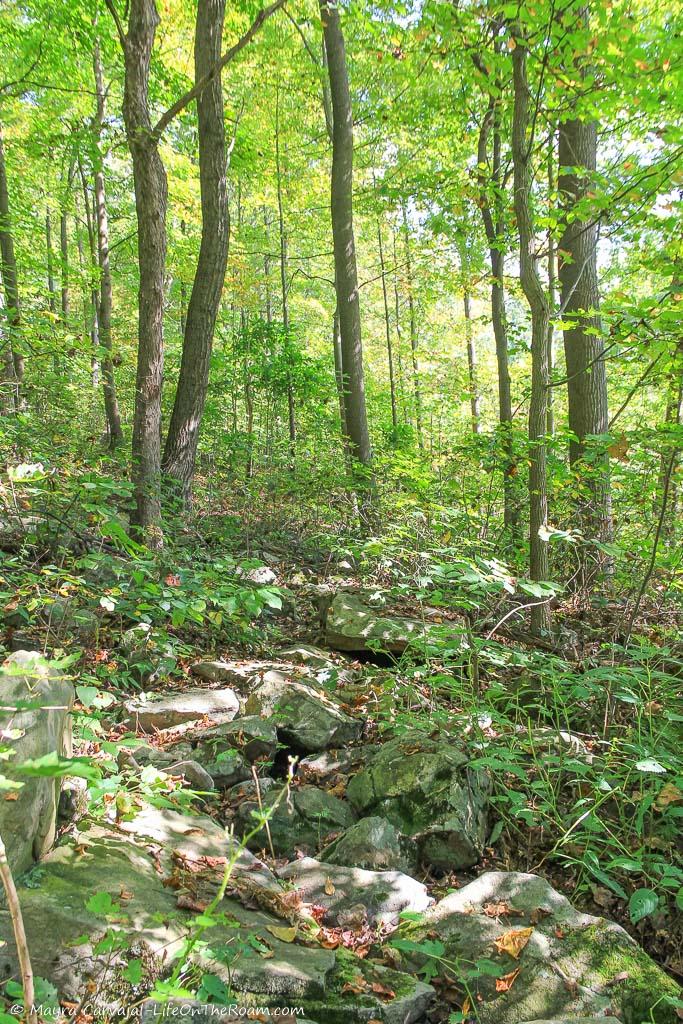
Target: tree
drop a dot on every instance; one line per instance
(583, 342)
(522, 149)
(341, 203)
(183, 433)
(13, 359)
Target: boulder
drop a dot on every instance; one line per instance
(382, 895)
(303, 820)
(255, 738)
(332, 765)
(372, 843)
(305, 718)
(27, 824)
(149, 655)
(570, 964)
(176, 708)
(359, 623)
(424, 787)
(174, 761)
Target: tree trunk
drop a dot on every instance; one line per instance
(64, 265)
(283, 274)
(387, 327)
(583, 343)
(13, 360)
(475, 400)
(92, 316)
(150, 204)
(537, 299)
(552, 282)
(104, 310)
(339, 375)
(399, 333)
(493, 217)
(183, 435)
(346, 274)
(412, 320)
(51, 288)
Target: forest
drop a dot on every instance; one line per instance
(341, 481)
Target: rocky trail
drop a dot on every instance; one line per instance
(325, 869)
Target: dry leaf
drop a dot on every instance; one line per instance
(619, 448)
(513, 941)
(382, 991)
(284, 934)
(668, 794)
(357, 986)
(329, 887)
(11, 796)
(505, 983)
(501, 909)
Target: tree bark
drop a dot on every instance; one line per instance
(283, 274)
(492, 211)
(540, 313)
(51, 288)
(13, 360)
(105, 303)
(150, 204)
(583, 342)
(346, 274)
(552, 283)
(387, 328)
(475, 400)
(91, 316)
(183, 434)
(412, 321)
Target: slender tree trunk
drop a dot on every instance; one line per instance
(339, 375)
(266, 270)
(412, 321)
(94, 327)
(51, 288)
(552, 282)
(492, 211)
(20, 941)
(387, 328)
(64, 265)
(475, 400)
(583, 342)
(13, 360)
(183, 435)
(150, 203)
(183, 293)
(538, 305)
(104, 310)
(346, 274)
(283, 273)
(399, 332)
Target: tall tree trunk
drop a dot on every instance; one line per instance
(183, 434)
(399, 332)
(13, 360)
(387, 328)
(91, 316)
(492, 211)
(283, 273)
(51, 288)
(64, 264)
(583, 342)
(339, 376)
(475, 400)
(105, 304)
(537, 299)
(346, 274)
(150, 204)
(552, 282)
(412, 321)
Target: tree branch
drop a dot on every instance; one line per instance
(117, 21)
(199, 86)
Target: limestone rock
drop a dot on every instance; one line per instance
(359, 623)
(572, 965)
(424, 787)
(375, 844)
(28, 823)
(304, 820)
(255, 738)
(305, 718)
(176, 708)
(383, 894)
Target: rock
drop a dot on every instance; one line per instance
(304, 820)
(174, 761)
(255, 738)
(216, 672)
(424, 787)
(305, 654)
(135, 639)
(572, 965)
(62, 615)
(375, 844)
(305, 718)
(382, 894)
(132, 900)
(352, 624)
(329, 765)
(262, 575)
(28, 823)
(176, 708)
(359, 992)
(148, 655)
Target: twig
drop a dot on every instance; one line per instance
(23, 955)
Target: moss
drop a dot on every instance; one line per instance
(600, 954)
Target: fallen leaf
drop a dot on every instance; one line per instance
(284, 934)
(668, 794)
(357, 986)
(382, 991)
(505, 983)
(329, 887)
(618, 449)
(125, 894)
(501, 909)
(513, 941)
(11, 796)
(538, 914)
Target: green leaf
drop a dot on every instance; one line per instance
(53, 766)
(650, 765)
(101, 904)
(643, 902)
(132, 972)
